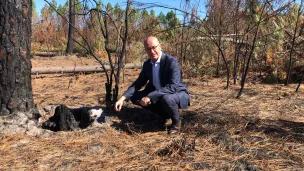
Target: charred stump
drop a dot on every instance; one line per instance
(15, 66)
(66, 119)
(71, 119)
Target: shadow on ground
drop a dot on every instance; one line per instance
(287, 130)
(236, 134)
(218, 122)
(135, 119)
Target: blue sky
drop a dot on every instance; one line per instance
(175, 3)
(172, 3)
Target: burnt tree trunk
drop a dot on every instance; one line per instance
(15, 65)
(293, 45)
(70, 45)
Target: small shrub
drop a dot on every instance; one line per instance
(281, 76)
(135, 53)
(210, 71)
(271, 79)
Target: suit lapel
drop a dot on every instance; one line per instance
(150, 71)
(161, 69)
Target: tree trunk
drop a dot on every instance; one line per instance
(70, 45)
(218, 60)
(301, 80)
(122, 54)
(293, 44)
(15, 66)
(246, 65)
(237, 46)
(236, 61)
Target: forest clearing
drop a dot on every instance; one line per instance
(261, 131)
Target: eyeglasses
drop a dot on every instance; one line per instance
(151, 48)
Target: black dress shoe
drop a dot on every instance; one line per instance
(175, 128)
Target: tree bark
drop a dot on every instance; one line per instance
(301, 80)
(70, 45)
(15, 66)
(122, 54)
(237, 46)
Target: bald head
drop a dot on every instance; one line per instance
(152, 47)
(150, 39)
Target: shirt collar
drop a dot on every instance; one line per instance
(158, 60)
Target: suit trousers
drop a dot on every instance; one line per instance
(167, 107)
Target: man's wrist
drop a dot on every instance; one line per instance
(150, 100)
(123, 98)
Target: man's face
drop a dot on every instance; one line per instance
(152, 48)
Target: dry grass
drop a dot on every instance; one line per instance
(262, 130)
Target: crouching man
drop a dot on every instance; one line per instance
(164, 93)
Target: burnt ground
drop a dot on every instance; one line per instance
(263, 130)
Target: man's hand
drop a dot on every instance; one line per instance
(119, 103)
(145, 101)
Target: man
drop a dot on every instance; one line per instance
(165, 93)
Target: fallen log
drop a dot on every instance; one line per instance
(76, 69)
(45, 54)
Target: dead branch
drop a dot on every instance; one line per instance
(76, 69)
(45, 54)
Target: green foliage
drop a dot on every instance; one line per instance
(78, 6)
(278, 34)
(271, 79)
(210, 70)
(99, 45)
(117, 8)
(33, 6)
(54, 4)
(162, 19)
(117, 12)
(109, 7)
(144, 13)
(134, 15)
(169, 22)
(172, 20)
(80, 51)
(257, 18)
(63, 9)
(152, 13)
(34, 13)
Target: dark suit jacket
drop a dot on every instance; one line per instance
(170, 80)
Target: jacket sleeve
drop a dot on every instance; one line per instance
(173, 80)
(137, 84)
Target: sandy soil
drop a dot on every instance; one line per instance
(74, 90)
(63, 61)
